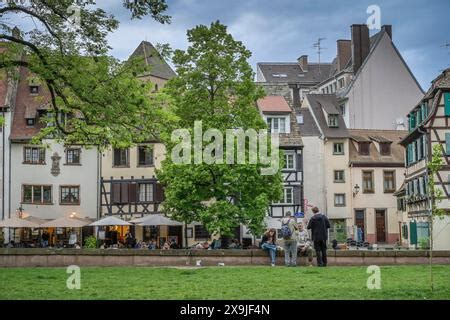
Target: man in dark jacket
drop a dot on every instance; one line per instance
(319, 224)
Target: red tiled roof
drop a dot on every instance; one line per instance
(273, 104)
(27, 104)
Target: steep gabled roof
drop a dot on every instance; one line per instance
(159, 67)
(292, 72)
(318, 104)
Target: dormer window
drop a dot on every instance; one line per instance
(34, 89)
(364, 148)
(333, 120)
(30, 122)
(277, 124)
(342, 109)
(385, 149)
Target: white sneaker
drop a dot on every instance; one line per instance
(272, 264)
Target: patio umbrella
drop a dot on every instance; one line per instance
(110, 221)
(158, 220)
(65, 222)
(18, 223)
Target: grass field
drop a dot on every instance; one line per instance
(397, 282)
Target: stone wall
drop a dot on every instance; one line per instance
(111, 257)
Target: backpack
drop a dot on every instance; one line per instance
(286, 232)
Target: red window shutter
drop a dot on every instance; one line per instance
(159, 193)
(124, 192)
(132, 192)
(115, 193)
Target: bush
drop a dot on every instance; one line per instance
(424, 243)
(90, 242)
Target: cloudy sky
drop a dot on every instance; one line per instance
(282, 30)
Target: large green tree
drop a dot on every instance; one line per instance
(94, 98)
(215, 85)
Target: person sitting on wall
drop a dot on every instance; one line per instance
(206, 245)
(166, 246)
(173, 244)
(199, 245)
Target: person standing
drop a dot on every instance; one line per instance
(319, 225)
(288, 230)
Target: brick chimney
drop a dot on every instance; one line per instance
(360, 45)
(388, 29)
(344, 52)
(303, 62)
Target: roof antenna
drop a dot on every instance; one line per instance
(319, 48)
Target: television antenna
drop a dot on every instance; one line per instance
(319, 48)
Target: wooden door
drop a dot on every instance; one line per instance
(380, 223)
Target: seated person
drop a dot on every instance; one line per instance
(205, 245)
(166, 246)
(304, 246)
(173, 244)
(152, 245)
(199, 245)
(268, 242)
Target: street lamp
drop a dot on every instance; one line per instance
(355, 190)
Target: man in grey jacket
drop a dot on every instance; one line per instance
(290, 243)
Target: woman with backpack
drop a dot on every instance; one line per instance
(268, 242)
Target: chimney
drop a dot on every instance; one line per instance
(360, 45)
(344, 52)
(388, 29)
(303, 62)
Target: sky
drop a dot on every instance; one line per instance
(283, 30)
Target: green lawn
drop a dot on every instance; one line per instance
(397, 282)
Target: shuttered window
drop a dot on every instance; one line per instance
(447, 143)
(447, 103)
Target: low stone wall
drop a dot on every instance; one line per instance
(129, 257)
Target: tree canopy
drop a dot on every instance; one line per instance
(95, 99)
(215, 85)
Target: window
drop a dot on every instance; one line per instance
(364, 148)
(34, 155)
(367, 177)
(289, 161)
(339, 199)
(201, 233)
(277, 124)
(385, 149)
(342, 109)
(145, 156)
(389, 181)
(341, 83)
(120, 157)
(287, 196)
(36, 194)
(145, 192)
(34, 89)
(30, 122)
(73, 156)
(447, 104)
(333, 120)
(338, 148)
(447, 143)
(339, 176)
(70, 195)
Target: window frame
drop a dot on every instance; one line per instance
(365, 144)
(67, 151)
(147, 149)
(271, 124)
(286, 155)
(372, 180)
(127, 156)
(339, 180)
(383, 151)
(283, 200)
(70, 187)
(393, 181)
(339, 195)
(151, 192)
(334, 148)
(33, 186)
(40, 149)
(335, 121)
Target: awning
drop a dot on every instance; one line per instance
(65, 222)
(158, 220)
(110, 221)
(18, 223)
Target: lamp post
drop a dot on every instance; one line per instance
(355, 190)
